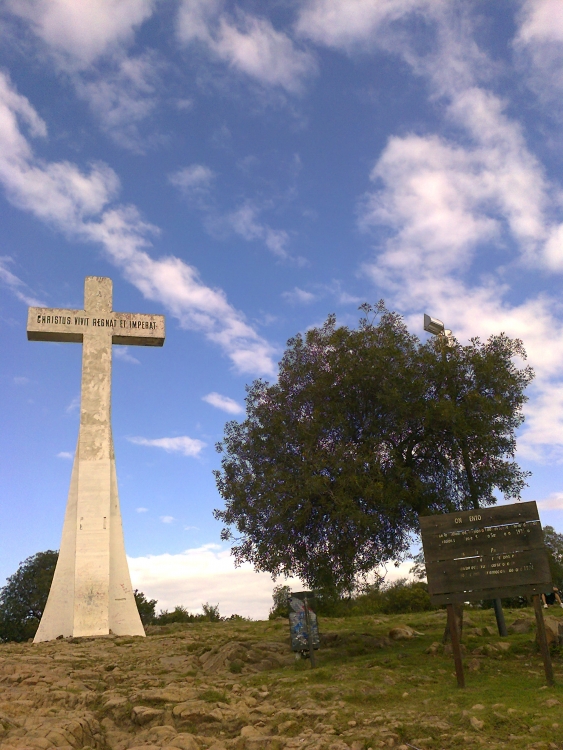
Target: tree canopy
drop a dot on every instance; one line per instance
(365, 429)
(23, 598)
(554, 543)
(146, 607)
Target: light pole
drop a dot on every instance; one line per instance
(437, 328)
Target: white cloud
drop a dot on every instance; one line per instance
(74, 405)
(540, 21)
(244, 221)
(195, 182)
(122, 353)
(356, 23)
(208, 574)
(553, 502)
(121, 95)
(167, 519)
(141, 510)
(21, 380)
(185, 445)
(88, 42)
(248, 44)
(65, 454)
(205, 574)
(16, 285)
(77, 204)
(444, 200)
(434, 206)
(192, 180)
(80, 32)
(299, 296)
(539, 47)
(448, 202)
(223, 402)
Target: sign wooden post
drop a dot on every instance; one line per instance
(456, 645)
(309, 631)
(499, 614)
(489, 553)
(542, 639)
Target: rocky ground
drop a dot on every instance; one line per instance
(379, 682)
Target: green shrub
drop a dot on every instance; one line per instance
(402, 597)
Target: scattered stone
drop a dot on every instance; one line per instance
(143, 714)
(434, 648)
(449, 650)
(521, 626)
(553, 630)
(286, 726)
(476, 723)
(478, 707)
(250, 731)
(550, 702)
(184, 741)
(403, 633)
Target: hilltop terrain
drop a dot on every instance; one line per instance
(235, 685)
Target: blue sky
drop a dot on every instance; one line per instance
(245, 169)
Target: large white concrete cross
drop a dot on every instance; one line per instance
(91, 592)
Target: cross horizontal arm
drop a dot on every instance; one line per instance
(131, 329)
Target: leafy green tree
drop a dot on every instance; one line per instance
(178, 614)
(554, 543)
(211, 612)
(280, 595)
(146, 607)
(403, 596)
(364, 430)
(23, 598)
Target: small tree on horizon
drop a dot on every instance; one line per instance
(145, 607)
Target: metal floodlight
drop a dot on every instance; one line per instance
(435, 326)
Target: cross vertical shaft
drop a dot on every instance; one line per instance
(91, 593)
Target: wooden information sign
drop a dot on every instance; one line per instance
(486, 554)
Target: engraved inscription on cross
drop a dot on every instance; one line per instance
(96, 327)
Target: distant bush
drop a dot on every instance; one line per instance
(145, 607)
(402, 597)
(181, 614)
(211, 612)
(399, 597)
(178, 614)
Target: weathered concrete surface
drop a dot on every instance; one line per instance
(91, 592)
